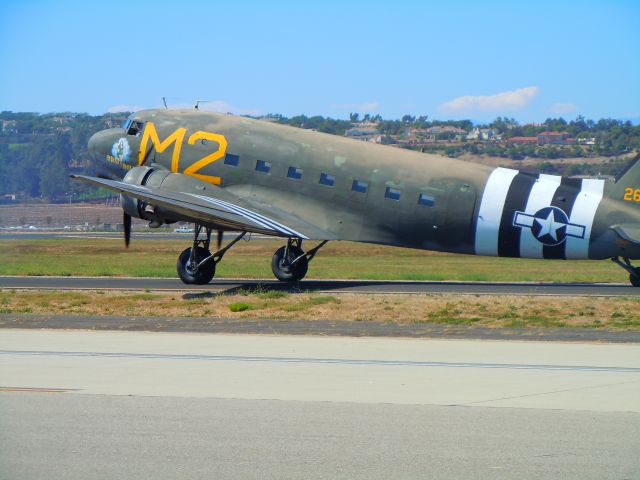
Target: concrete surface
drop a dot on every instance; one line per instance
(157, 405)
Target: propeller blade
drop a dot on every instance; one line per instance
(126, 220)
(220, 232)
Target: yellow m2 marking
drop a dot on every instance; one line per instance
(212, 157)
(151, 133)
(177, 137)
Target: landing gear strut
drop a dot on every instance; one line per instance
(634, 272)
(197, 265)
(290, 263)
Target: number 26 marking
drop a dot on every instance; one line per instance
(631, 195)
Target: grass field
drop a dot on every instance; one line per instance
(157, 258)
(483, 311)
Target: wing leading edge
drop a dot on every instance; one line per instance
(218, 207)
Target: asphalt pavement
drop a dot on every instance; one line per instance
(329, 286)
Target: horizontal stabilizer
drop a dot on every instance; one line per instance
(630, 233)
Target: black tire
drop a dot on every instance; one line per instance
(200, 277)
(285, 272)
(634, 279)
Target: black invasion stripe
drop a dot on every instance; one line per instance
(517, 196)
(564, 199)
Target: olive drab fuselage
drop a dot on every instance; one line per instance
(364, 192)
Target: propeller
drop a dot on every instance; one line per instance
(126, 220)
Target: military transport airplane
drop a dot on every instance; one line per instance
(228, 173)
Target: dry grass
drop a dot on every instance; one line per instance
(486, 311)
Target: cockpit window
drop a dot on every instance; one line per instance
(135, 128)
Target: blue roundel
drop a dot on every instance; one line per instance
(550, 225)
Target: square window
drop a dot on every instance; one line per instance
(358, 186)
(295, 173)
(392, 193)
(327, 179)
(426, 200)
(263, 167)
(231, 159)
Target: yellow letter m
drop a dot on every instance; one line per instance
(176, 137)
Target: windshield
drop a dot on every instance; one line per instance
(133, 127)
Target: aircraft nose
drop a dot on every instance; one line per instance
(100, 143)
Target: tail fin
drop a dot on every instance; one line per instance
(627, 181)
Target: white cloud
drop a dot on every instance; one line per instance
(124, 108)
(561, 108)
(499, 102)
(357, 107)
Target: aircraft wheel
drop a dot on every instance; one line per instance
(634, 278)
(203, 275)
(283, 270)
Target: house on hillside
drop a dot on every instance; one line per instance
(522, 140)
(586, 141)
(488, 134)
(365, 133)
(555, 138)
(9, 126)
(441, 132)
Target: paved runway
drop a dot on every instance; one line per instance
(156, 405)
(334, 286)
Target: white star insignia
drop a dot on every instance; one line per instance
(549, 226)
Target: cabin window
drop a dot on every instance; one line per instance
(231, 159)
(359, 186)
(392, 193)
(263, 167)
(426, 200)
(327, 179)
(295, 173)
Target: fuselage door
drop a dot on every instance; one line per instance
(457, 228)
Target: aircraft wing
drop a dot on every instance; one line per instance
(218, 207)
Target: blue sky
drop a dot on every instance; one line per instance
(456, 59)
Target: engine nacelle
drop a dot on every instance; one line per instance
(146, 176)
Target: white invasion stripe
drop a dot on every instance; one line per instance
(244, 213)
(491, 207)
(237, 211)
(215, 202)
(273, 223)
(255, 217)
(541, 196)
(277, 225)
(583, 213)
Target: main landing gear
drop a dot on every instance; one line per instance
(290, 263)
(197, 265)
(634, 272)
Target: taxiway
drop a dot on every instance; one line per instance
(334, 286)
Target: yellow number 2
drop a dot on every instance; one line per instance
(212, 157)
